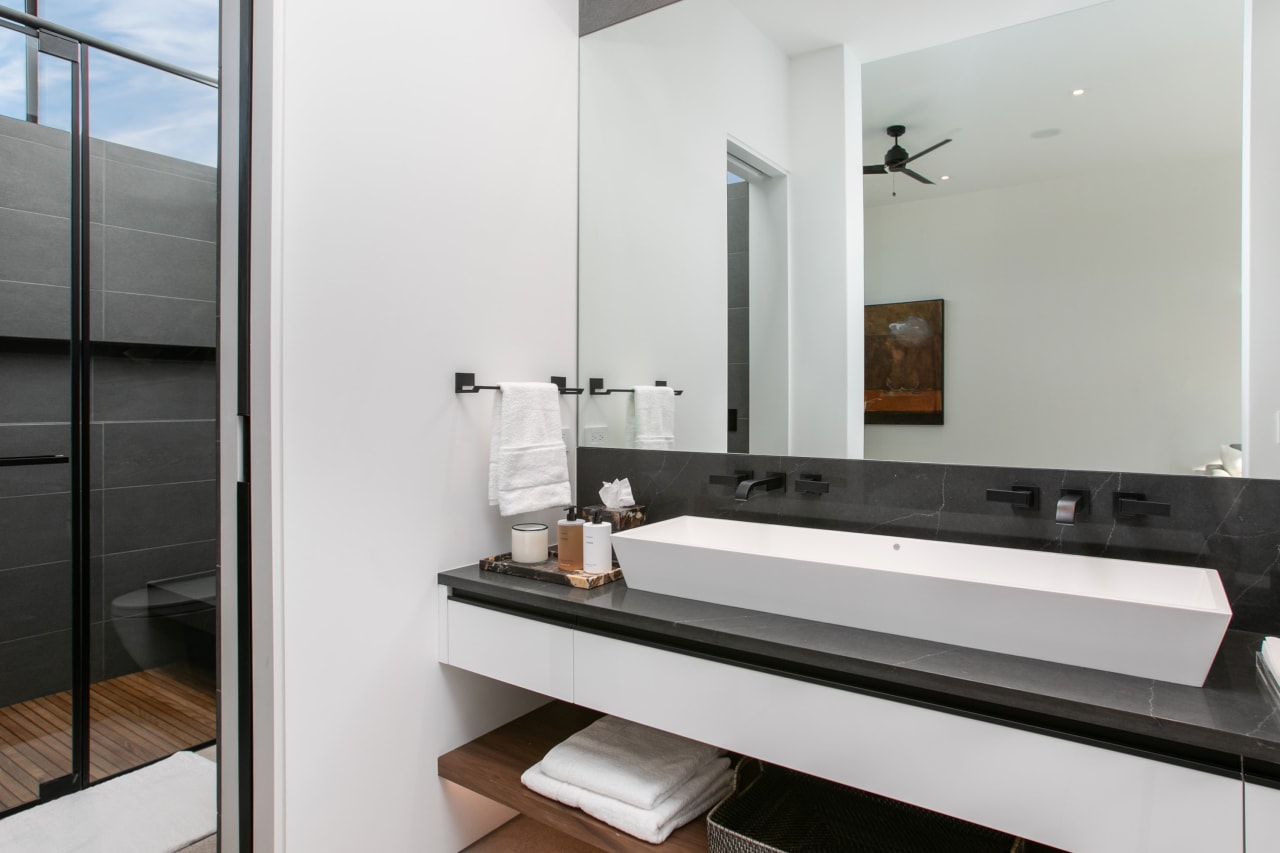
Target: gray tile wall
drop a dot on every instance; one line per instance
(153, 452)
(152, 241)
(153, 501)
(739, 284)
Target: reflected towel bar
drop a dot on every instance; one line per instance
(465, 383)
(598, 389)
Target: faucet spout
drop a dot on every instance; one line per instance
(767, 483)
(1070, 507)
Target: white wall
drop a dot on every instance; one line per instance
(1089, 323)
(423, 204)
(1262, 216)
(661, 94)
(826, 254)
(770, 320)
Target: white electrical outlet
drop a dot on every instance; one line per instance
(594, 436)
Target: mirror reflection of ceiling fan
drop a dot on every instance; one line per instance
(897, 158)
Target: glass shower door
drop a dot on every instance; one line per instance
(153, 221)
(108, 402)
(38, 516)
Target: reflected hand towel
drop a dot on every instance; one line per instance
(651, 417)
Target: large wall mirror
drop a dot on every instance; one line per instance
(1083, 230)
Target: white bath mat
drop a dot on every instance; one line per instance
(157, 809)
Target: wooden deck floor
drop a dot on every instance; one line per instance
(132, 720)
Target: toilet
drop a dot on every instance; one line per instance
(169, 620)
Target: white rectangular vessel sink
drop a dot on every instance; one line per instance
(1145, 619)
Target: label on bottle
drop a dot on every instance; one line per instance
(569, 546)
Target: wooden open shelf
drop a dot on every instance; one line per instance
(491, 765)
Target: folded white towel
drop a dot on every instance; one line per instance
(698, 794)
(626, 761)
(651, 417)
(528, 463)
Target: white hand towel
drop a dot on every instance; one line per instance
(651, 417)
(626, 761)
(528, 463)
(698, 794)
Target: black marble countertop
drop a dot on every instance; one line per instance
(1227, 723)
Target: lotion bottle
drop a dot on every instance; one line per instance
(597, 550)
(569, 542)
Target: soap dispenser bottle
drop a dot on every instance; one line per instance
(569, 542)
(597, 550)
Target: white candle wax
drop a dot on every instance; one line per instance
(529, 543)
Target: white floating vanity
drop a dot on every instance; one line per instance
(1069, 757)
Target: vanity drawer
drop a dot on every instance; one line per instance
(1261, 817)
(524, 652)
(1065, 793)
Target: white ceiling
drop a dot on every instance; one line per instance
(874, 29)
(1162, 82)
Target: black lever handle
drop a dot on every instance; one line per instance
(43, 459)
(730, 479)
(812, 484)
(1020, 497)
(1135, 504)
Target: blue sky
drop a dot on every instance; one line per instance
(129, 104)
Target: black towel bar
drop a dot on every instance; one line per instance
(598, 390)
(465, 383)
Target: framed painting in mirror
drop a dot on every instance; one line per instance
(903, 360)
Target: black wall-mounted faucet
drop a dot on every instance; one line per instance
(768, 483)
(730, 479)
(1071, 505)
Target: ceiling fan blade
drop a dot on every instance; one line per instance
(921, 178)
(878, 169)
(925, 151)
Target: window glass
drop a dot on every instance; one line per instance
(181, 32)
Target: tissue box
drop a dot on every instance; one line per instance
(621, 519)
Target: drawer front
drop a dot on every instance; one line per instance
(1059, 792)
(519, 651)
(1261, 819)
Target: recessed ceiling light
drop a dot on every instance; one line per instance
(945, 178)
(1077, 91)
(1046, 133)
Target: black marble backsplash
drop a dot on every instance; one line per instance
(1228, 524)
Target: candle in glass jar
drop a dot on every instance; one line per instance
(529, 543)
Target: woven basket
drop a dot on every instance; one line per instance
(775, 810)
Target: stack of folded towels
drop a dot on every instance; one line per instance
(1269, 665)
(645, 782)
